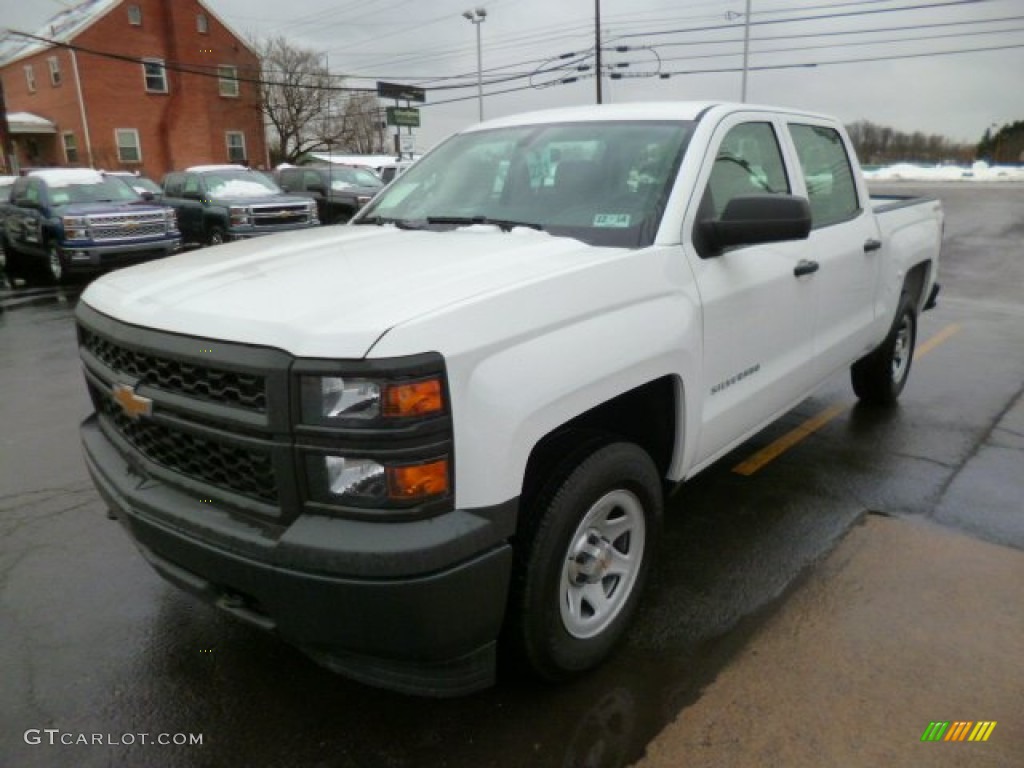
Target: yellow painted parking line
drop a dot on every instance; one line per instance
(773, 450)
(939, 338)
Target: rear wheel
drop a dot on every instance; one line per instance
(879, 378)
(587, 548)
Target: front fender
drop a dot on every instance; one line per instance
(525, 362)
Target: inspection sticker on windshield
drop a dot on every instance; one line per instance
(611, 220)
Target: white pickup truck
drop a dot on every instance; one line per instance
(451, 422)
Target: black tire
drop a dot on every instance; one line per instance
(56, 269)
(583, 558)
(216, 235)
(879, 377)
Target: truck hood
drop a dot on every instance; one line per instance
(330, 292)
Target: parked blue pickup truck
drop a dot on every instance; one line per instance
(65, 220)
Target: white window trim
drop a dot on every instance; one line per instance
(30, 78)
(230, 83)
(117, 143)
(64, 143)
(227, 142)
(135, 15)
(145, 77)
(55, 76)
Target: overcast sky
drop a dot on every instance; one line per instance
(940, 88)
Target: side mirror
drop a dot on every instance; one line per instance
(317, 189)
(753, 219)
(147, 195)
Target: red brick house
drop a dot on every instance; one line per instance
(146, 85)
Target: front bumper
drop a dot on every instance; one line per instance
(369, 599)
(95, 257)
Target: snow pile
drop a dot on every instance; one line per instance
(980, 171)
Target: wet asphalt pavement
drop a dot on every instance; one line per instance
(93, 643)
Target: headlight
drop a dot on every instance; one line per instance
(329, 400)
(241, 216)
(171, 219)
(76, 227)
(312, 212)
(365, 482)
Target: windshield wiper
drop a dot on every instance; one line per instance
(505, 225)
(380, 221)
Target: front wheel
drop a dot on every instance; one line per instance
(879, 377)
(586, 552)
(216, 236)
(55, 264)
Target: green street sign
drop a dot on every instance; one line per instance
(404, 116)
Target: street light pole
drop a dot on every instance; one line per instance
(476, 18)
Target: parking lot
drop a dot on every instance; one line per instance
(93, 642)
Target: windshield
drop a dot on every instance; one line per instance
(605, 183)
(229, 183)
(346, 178)
(102, 191)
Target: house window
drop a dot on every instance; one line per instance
(228, 80)
(128, 148)
(135, 15)
(155, 75)
(54, 63)
(30, 78)
(70, 148)
(202, 24)
(236, 147)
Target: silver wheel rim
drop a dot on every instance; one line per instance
(901, 350)
(216, 238)
(56, 268)
(602, 563)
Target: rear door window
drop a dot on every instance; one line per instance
(831, 189)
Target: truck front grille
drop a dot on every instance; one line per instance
(280, 215)
(131, 226)
(235, 468)
(243, 390)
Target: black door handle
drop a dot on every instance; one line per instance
(805, 267)
(872, 245)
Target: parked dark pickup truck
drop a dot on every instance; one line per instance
(339, 190)
(74, 220)
(218, 203)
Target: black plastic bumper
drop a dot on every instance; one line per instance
(430, 633)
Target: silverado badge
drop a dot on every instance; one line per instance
(132, 405)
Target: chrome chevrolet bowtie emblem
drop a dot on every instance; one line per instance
(132, 405)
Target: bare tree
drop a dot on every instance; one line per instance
(296, 90)
(361, 128)
(309, 109)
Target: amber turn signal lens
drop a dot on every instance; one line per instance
(418, 481)
(416, 398)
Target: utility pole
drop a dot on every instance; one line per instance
(746, 51)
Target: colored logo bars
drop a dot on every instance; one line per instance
(959, 730)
